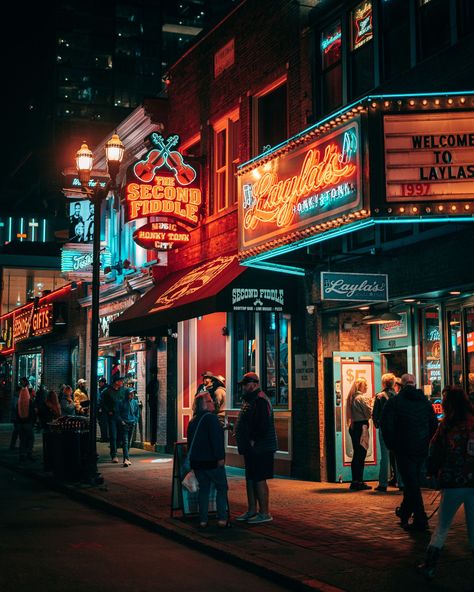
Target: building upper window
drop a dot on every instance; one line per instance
(396, 37)
(362, 54)
(331, 67)
(226, 157)
(270, 117)
(434, 26)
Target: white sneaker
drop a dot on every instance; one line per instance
(114, 459)
(126, 463)
(260, 519)
(245, 517)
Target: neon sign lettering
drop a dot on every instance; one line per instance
(163, 184)
(326, 44)
(363, 31)
(162, 236)
(276, 200)
(33, 322)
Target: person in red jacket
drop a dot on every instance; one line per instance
(451, 462)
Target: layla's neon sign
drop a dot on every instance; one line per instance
(163, 184)
(295, 190)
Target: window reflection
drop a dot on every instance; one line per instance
(455, 361)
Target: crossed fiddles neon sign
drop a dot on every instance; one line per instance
(161, 156)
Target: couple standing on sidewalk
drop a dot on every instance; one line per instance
(256, 441)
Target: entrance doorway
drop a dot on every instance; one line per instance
(395, 361)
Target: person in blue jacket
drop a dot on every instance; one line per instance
(208, 458)
(128, 412)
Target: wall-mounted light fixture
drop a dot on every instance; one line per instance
(225, 331)
(383, 318)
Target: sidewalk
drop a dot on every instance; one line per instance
(323, 536)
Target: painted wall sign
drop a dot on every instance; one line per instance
(224, 58)
(367, 287)
(32, 322)
(81, 221)
(77, 259)
(163, 184)
(312, 184)
(394, 330)
(258, 299)
(429, 156)
(161, 236)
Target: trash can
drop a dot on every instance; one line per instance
(66, 447)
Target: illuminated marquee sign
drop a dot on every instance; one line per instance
(77, 259)
(295, 190)
(429, 157)
(163, 184)
(7, 335)
(161, 236)
(33, 322)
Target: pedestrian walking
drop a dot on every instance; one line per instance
(387, 392)
(358, 414)
(257, 442)
(101, 413)
(207, 459)
(25, 419)
(81, 398)
(110, 402)
(127, 411)
(408, 423)
(152, 392)
(451, 462)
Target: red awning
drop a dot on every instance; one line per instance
(183, 295)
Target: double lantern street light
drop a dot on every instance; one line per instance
(114, 151)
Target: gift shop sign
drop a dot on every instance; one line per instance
(32, 322)
(163, 184)
(429, 156)
(295, 190)
(358, 287)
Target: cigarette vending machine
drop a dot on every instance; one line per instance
(347, 368)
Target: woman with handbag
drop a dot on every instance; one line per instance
(207, 459)
(451, 463)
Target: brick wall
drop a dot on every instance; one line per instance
(57, 365)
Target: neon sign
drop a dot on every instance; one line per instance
(77, 259)
(161, 236)
(32, 322)
(294, 190)
(362, 25)
(163, 184)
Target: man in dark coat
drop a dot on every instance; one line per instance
(257, 442)
(408, 423)
(152, 392)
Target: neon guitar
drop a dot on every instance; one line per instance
(184, 173)
(155, 159)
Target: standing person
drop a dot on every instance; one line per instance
(387, 392)
(52, 407)
(66, 401)
(25, 419)
(408, 422)
(40, 403)
(257, 442)
(81, 398)
(127, 414)
(14, 418)
(101, 414)
(451, 461)
(204, 387)
(152, 392)
(110, 402)
(217, 392)
(206, 436)
(358, 414)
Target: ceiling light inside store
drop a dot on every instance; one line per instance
(384, 318)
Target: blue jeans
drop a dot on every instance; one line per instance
(205, 477)
(115, 431)
(127, 431)
(384, 462)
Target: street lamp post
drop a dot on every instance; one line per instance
(114, 150)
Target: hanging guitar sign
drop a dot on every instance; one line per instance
(163, 184)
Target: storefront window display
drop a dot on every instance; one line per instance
(430, 340)
(455, 347)
(31, 366)
(273, 330)
(130, 370)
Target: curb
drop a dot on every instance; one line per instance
(240, 559)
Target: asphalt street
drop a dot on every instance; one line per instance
(51, 543)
